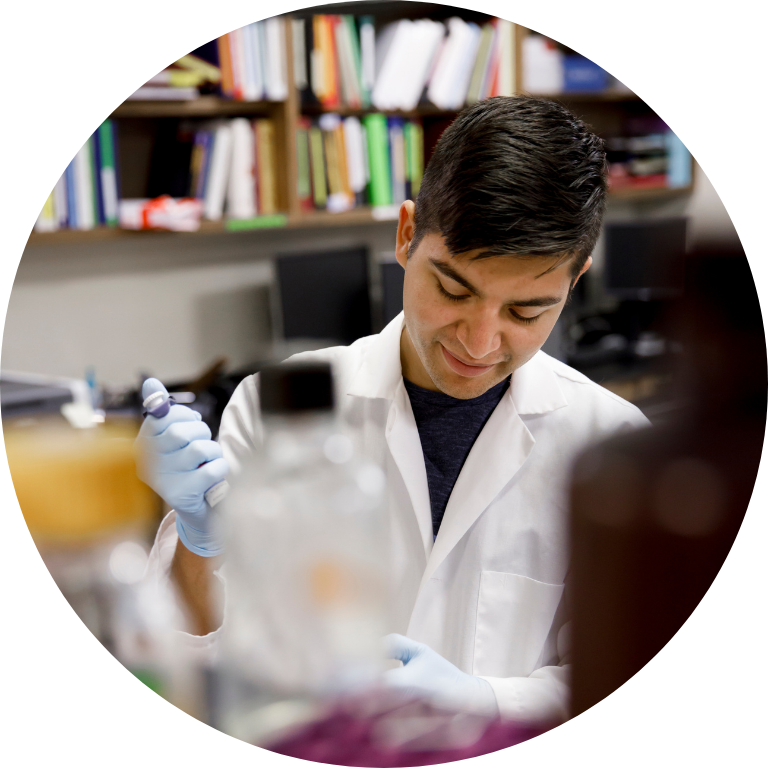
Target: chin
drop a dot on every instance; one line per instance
(463, 387)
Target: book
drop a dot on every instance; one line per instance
(303, 165)
(317, 159)
(83, 178)
(266, 166)
(354, 43)
(450, 81)
(60, 205)
(483, 64)
(46, 221)
(414, 154)
(216, 185)
(367, 54)
(298, 37)
(69, 178)
(225, 62)
(348, 74)
(355, 156)
(237, 58)
(108, 172)
(276, 72)
(241, 187)
(377, 140)
(397, 159)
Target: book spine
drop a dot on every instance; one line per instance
(107, 171)
(225, 62)
(397, 159)
(46, 221)
(238, 63)
(98, 200)
(84, 188)
(380, 185)
(319, 187)
(367, 55)
(304, 177)
(60, 202)
(330, 71)
(217, 175)
(267, 177)
(357, 66)
(69, 178)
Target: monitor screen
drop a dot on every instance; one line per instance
(324, 295)
(644, 259)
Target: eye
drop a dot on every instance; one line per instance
(450, 296)
(524, 320)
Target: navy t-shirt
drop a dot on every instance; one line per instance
(448, 428)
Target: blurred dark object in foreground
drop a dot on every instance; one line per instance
(377, 732)
(655, 513)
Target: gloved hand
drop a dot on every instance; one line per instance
(427, 674)
(176, 457)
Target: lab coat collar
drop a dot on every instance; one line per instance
(380, 373)
(535, 388)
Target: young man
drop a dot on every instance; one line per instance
(477, 427)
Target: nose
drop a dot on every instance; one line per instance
(480, 334)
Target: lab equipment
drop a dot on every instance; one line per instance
(306, 578)
(427, 675)
(178, 459)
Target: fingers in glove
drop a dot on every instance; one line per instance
(204, 478)
(401, 647)
(178, 435)
(191, 456)
(152, 427)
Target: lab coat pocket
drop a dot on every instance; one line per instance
(514, 617)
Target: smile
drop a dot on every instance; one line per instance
(462, 368)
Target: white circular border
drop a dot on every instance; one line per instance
(67, 65)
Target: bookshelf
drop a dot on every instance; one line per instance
(138, 123)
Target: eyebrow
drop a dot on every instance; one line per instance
(449, 271)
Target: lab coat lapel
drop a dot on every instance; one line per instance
(405, 445)
(498, 453)
(380, 376)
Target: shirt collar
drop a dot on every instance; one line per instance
(534, 388)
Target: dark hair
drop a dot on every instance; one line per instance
(515, 175)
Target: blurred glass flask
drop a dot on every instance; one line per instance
(307, 593)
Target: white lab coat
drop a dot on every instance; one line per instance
(488, 593)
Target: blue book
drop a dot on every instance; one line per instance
(69, 176)
(98, 192)
(679, 164)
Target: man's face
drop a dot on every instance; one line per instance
(470, 323)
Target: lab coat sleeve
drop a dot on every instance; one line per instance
(543, 696)
(239, 432)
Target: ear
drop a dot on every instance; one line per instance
(587, 265)
(405, 230)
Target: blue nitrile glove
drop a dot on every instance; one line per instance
(426, 674)
(176, 457)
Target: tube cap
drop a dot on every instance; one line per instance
(295, 387)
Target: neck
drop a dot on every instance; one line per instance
(410, 362)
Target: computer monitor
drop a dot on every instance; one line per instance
(323, 295)
(392, 277)
(644, 259)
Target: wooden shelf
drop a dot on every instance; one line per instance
(321, 219)
(308, 220)
(205, 106)
(599, 96)
(648, 193)
(425, 110)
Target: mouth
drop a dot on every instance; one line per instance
(462, 368)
